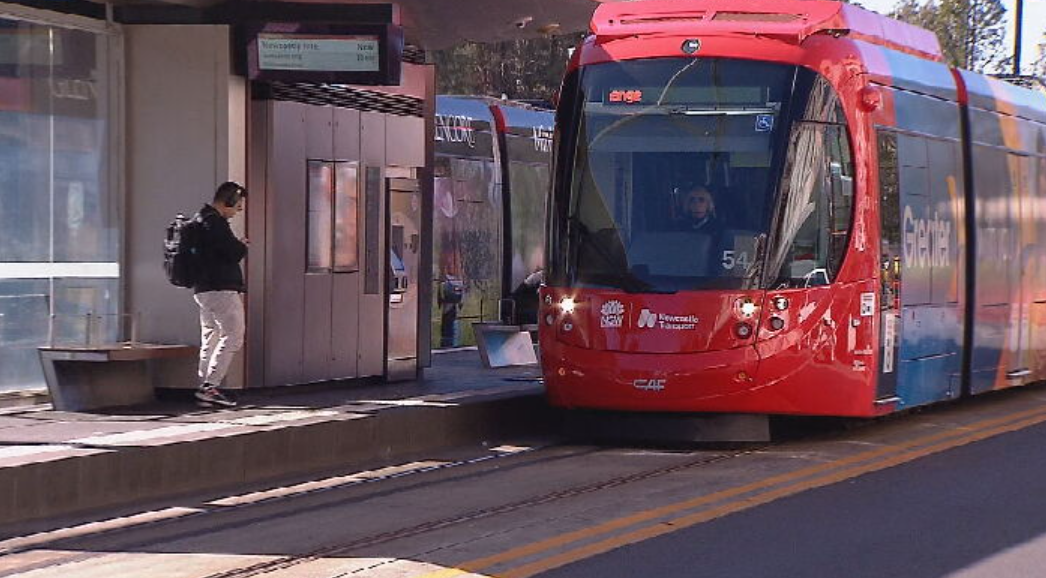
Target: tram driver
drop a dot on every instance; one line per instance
(699, 213)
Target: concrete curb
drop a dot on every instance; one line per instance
(99, 477)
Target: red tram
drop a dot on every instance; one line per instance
(788, 207)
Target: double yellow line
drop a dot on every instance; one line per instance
(660, 521)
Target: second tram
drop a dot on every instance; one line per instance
(790, 207)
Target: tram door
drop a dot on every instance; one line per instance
(403, 272)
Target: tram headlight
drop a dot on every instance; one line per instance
(567, 305)
(747, 307)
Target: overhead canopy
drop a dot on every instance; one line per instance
(438, 24)
(435, 24)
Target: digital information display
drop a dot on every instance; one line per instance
(319, 53)
(315, 52)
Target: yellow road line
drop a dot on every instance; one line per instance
(676, 524)
(561, 540)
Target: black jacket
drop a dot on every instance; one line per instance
(220, 254)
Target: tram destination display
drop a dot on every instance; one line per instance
(333, 54)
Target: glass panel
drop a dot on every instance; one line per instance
(85, 312)
(529, 187)
(346, 203)
(467, 248)
(673, 181)
(56, 201)
(840, 169)
(321, 182)
(84, 206)
(890, 213)
(890, 262)
(24, 311)
(25, 141)
(801, 254)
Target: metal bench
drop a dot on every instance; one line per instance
(92, 377)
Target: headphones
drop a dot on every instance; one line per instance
(236, 196)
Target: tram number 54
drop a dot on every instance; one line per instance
(732, 259)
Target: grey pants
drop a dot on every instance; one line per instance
(222, 326)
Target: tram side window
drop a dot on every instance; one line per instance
(889, 211)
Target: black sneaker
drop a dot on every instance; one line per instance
(211, 395)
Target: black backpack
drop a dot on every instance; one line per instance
(181, 251)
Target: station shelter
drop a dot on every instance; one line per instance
(116, 116)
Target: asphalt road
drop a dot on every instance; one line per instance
(974, 511)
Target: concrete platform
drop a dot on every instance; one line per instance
(56, 463)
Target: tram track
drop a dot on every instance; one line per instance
(603, 535)
(378, 539)
(103, 543)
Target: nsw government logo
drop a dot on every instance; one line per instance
(611, 314)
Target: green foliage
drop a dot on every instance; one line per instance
(518, 69)
(971, 32)
(1039, 68)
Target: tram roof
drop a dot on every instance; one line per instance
(1000, 96)
(787, 20)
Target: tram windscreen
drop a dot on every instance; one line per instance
(672, 185)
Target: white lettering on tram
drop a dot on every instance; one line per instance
(455, 128)
(650, 384)
(927, 242)
(649, 319)
(542, 136)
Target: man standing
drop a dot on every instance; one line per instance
(218, 292)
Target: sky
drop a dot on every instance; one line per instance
(1034, 25)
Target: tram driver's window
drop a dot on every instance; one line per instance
(840, 177)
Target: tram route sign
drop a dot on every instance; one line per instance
(365, 54)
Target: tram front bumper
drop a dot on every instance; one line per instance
(703, 381)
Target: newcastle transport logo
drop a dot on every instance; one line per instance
(648, 320)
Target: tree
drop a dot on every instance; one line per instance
(518, 69)
(971, 32)
(1039, 68)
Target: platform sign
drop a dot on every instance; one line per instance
(319, 53)
(324, 53)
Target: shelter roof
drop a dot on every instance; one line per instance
(435, 24)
